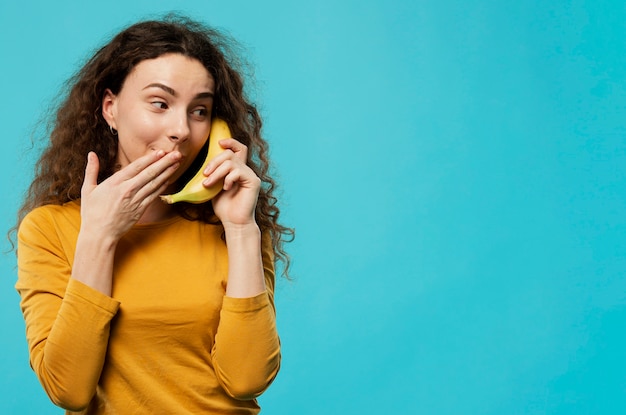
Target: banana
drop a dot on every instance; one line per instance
(194, 191)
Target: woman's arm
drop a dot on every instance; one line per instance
(235, 207)
(110, 209)
(246, 353)
(67, 322)
(66, 303)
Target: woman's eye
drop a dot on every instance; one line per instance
(199, 112)
(160, 105)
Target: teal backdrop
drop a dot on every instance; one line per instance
(455, 171)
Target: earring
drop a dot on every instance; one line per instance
(113, 130)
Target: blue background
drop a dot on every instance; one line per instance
(455, 171)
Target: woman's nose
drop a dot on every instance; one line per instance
(180, 128)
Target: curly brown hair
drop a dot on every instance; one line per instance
(79, 126)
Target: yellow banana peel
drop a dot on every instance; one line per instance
(194, 191)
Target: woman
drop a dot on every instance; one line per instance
(132, 305)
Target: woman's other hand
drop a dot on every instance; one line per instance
(235, 205)
(112, 207)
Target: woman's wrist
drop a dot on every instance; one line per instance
(245, 264)
(93, 261)
(241, 230)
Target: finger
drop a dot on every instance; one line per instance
(231, 179)
(154, 179)
(91, 174)
(217, 161)
(231, 148)
(238, 153)
(233, 173)
(149, 167)
(218, 171)
(241, 177)
(240, 149)
(135, 168)
(151, 193)
(157, 168)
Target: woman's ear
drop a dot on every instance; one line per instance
(109, 110)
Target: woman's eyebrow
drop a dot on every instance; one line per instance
(163, 87)
(171, 91)
(204, 95)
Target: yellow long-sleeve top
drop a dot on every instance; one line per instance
(167, 341)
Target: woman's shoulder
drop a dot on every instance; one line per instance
(65, 215)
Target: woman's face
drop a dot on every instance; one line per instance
(164, 104)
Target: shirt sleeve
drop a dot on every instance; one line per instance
(67, 322)
(246, 353)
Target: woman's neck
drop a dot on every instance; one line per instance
(157, 211)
